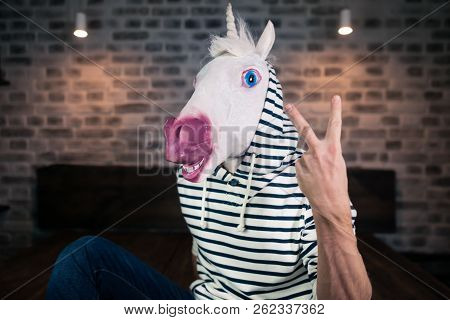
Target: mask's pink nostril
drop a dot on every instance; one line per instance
(188, 139)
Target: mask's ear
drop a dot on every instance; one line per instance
(266, 41)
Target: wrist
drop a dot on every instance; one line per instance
(335, 230)
(333, 218)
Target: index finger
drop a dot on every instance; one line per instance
(334, 128)
(302, 125)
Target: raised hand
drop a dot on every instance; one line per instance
(321, 171)
(322, 176)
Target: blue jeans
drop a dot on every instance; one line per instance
(96, 268)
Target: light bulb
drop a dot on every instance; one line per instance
(80, 33)
(345, 30)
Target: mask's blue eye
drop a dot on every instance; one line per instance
(250, 78)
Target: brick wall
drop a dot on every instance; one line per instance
(62, 109)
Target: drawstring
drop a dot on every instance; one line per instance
(241, 225)
(203, 213)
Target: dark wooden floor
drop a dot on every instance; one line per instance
(26, 276)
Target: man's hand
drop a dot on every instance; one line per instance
(321, 171)
(322, 177)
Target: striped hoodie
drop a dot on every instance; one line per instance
(253, 231)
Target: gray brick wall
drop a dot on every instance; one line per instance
(62, 109)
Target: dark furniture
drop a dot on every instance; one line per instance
(94, 197)
(3, 209)
(77, 200)
(373, 195)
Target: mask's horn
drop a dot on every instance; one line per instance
(231, 26)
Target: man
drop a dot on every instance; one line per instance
(94, 268)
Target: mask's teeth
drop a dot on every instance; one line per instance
(198, 165)
(190, 169)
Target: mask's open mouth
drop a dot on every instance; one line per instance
(192, 172)
(189, 143)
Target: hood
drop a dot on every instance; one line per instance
(274, 145)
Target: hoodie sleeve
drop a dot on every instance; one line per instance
(309, 253)
(194, 249)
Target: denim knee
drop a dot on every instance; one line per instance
(79, 248)
(72, 271)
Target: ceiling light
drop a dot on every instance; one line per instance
(80, 26)
(345, 25)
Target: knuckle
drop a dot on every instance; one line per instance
(332, 148)
(306, 130)
(337, 122)
(316, 155)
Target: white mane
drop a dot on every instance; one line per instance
(239, 46)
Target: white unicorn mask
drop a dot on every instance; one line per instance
(219, 121)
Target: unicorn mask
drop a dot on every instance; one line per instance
(219, 121)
